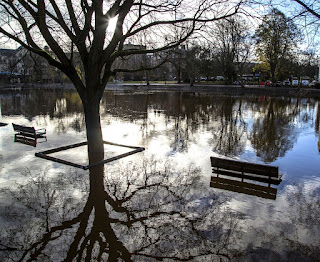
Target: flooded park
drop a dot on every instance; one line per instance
(159, 204)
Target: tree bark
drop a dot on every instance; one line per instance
(95, 146)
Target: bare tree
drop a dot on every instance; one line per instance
(311, 7)
(82, 29)
(307, 14)
(230, 40)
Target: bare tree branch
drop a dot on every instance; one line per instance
(309, 9)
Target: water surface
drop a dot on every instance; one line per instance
(180, 131)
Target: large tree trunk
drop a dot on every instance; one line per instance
(95, 146)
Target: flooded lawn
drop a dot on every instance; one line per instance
(158, 204)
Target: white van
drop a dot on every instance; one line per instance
(295, 81)
(304, 82)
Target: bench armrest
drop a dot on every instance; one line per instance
(41, 130)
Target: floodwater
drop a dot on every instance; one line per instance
(159, 204)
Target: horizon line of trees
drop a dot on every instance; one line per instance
(229, 50)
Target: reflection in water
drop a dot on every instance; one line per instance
(30, 141)
(142, 214)
(145, 212)
(244, 187)
(158, 212)
(267, 124)
(276, 118)
(229, 134)
(25, 140)
(63, 108)
(317, 124)
(298, 236)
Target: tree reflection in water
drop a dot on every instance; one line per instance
(269, 125)
(147, 212)
(317, 124)
(229, 134)
(153, 213)
(298, 236)
(142, 214)
(280, 136)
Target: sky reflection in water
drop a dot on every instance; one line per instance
(164, 210)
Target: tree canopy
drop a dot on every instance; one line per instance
(275, 38)
(232, 45)
(84, 28)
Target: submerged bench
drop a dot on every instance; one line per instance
(257, 172)
(245, 171)
(29, 131)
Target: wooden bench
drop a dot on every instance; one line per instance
(30, 141)
(27, 131)
(245, 171)
(257, 172)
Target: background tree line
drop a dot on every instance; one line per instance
(232, 49)
(228, 48)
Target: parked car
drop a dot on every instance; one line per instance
(220, 78)
(295, 81)
(313, 83)
(279, 83)
(268, 83)
(304, 82)
(286, 83)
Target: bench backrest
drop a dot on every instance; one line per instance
(245, 167)
(24, 129)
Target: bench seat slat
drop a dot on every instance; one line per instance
(25, 129)
(261, 169)
(26, 134)
(225, 163)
